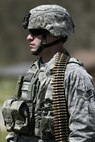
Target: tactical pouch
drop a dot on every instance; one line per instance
(16, 115)
(46, 128)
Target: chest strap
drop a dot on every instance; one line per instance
(59, 104)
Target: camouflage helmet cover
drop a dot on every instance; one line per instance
(53, 18)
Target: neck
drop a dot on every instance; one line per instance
(48, 53)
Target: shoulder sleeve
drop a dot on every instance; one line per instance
(80, 94)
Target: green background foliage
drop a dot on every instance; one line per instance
(7, 90)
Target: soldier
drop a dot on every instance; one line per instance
(56, 97)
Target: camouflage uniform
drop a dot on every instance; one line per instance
(80, 94)
(79, 89)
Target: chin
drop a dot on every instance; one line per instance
(34, 53)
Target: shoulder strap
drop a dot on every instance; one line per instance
(75, 61)
(25, 78)
(59, 104)
(19, 86)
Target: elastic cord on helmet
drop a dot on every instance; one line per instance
(63, 39)
(26, 20)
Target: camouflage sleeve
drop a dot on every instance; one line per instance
(81, 104)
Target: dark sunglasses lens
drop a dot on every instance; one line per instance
(35, 32)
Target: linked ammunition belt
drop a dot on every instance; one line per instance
(59, 104)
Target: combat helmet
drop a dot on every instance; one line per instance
(53, 18)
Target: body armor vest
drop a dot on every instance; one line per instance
(39, 118)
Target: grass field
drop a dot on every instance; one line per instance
(7, 89)
(3, 134)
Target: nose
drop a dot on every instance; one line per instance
(30, 37)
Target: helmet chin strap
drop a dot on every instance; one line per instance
(43, 46)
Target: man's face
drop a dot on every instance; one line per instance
(37, 38)
(34, 41)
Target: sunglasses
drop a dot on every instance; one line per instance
(36, 32)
